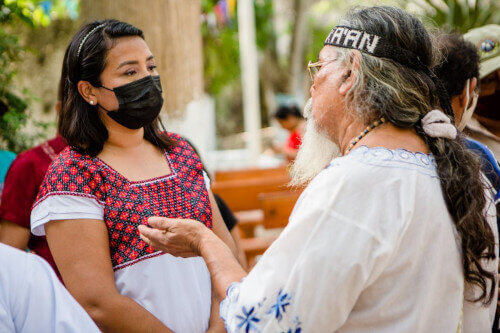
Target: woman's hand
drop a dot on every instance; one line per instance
(179, 237)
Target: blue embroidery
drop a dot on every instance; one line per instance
(392, 158)
(294, 330)
(248, 320)
(297, 328)
(282, 301)
(256, 317)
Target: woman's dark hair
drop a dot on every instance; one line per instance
(79, 122)
(460, 62)
(285, 111)
(403, 96)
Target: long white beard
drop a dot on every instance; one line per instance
(314, 154)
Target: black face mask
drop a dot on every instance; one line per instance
(140, 102)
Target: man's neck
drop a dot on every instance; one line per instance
(352, 130)
(491, 125)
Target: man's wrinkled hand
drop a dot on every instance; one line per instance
(179, 237)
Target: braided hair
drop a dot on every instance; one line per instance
(399, 85)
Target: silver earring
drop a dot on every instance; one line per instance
(91, 102)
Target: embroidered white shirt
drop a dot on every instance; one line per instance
(370, 247)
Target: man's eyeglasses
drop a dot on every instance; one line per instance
(314, 67)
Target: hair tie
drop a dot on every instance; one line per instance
(438, 125)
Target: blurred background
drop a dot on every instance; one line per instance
(226, 65)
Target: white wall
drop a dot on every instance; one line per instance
(197, 124)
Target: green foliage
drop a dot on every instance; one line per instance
(459, 15)
(265, 34)
(221, 58)
(317, 42)
(14, 104)
(221, 48)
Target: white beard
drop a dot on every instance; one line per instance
(315, 152)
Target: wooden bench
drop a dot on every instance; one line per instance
(254, 247)
(276, 210)
(277, 207)
(243, 194)
(251, 173)
(240, 189)
(248, 220)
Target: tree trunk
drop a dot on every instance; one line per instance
(299, 43)
(173, 32)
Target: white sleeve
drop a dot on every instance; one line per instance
(32, 299)
(48, 306)
(64, 207)
(323, 251)
(6, 322)
(207, 180)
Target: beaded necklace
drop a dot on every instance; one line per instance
(364, 133)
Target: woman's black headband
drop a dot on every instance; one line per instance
(378, 46)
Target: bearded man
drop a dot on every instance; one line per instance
(390, 237)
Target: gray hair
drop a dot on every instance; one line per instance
(403, 96)
(385, 88)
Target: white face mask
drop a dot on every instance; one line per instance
(469, 110)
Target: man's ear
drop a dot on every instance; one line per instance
(88, 92)
(350, 77)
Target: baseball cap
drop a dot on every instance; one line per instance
(487, 40)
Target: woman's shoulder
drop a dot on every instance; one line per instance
(72, 162)
(172, 135)
(72, 173)
(181, 143)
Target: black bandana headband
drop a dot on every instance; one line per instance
(378, 46)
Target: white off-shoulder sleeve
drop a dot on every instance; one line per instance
(64, 207)
(207, 180)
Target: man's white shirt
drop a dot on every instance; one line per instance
(370, 247)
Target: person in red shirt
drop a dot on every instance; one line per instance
(291, 119)
(21, 186)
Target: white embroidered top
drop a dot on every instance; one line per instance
(370, 247)
(177, 291)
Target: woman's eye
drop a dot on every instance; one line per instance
(130, 73)
(152, 67)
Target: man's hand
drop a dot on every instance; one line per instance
(179, 237)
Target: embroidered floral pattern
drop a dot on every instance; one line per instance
(401, 158)
(282, 301)
(261, 316)
(182, 194)
(248, 320)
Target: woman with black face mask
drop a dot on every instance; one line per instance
(119, 170)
